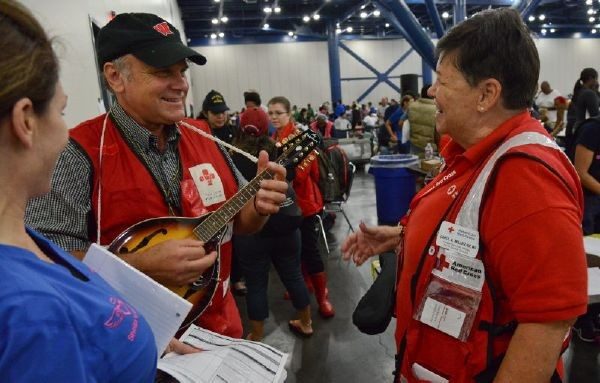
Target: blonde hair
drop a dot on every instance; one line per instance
(28, 64)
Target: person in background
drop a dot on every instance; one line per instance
(143, 160)
(277, 243)
(310, 114)
(59, 319)
(342, 126)
(214, 114)
(370, 122)
(544, 100)
(421, 115)
(394, 123)
(310, 201)
(322, 125)
(584, 104)
(587, 163)
(383, 105)
(505, 327)
(404, 125)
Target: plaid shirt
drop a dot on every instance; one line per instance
(65, 214)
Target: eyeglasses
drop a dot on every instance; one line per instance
(276, 113)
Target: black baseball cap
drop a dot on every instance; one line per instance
(214, 102)
(149, 38)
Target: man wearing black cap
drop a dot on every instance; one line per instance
(214, 113)
(141, 160)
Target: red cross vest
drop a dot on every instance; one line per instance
(130, 193)
(426, 353)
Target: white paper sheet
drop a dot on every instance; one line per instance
(225, 359)
(592, 245)
(163, 310)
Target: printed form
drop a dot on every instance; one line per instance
(224, 359)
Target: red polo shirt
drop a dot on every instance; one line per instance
(530, 229)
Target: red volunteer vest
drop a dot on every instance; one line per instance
(423, 345)
(130, 193)
(308, 195)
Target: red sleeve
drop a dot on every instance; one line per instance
(534, 255)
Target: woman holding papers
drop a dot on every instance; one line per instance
(60, 321)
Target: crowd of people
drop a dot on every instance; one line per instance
(463, 248)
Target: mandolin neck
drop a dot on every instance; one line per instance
(218, 219)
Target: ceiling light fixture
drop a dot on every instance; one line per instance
(213, 36)
(593, 31)
(363, 15)
(552, 30)
(387, 25)
(592, 19)
(542, 17)
(445, 15)
(349, 29)
(306, 19)
(588, 2)
(221, 34)
(531, 18)
(290, 34)
(224, 19)
(376, 13)
(316, 16)
(266, 26)
(338, 31)
(277, 9)
(215, 21)
(267, 9)
(543, 31)
(590, 11)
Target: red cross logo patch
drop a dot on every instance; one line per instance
(207, 176)
(163, 28)
(441, 263)
(451, 229)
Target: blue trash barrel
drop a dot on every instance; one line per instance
(394, 185)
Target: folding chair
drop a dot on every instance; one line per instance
(336, 206)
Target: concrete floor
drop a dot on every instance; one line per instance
(338, 352)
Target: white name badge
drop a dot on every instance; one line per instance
(445, 318)
(208, 183)
(463, 271)
(458, 239)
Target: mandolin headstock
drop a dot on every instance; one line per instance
(296, 148)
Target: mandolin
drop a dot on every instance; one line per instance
(211, 227)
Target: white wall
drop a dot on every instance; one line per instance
(563, 59)
(68, 21)
(300, 70)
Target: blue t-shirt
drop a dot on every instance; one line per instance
(394, 118)
(63, 323)
(589, 137)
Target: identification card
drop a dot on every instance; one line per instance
(445, 318)
(459, 239)
(209, 184)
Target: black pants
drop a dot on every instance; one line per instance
(310, 255)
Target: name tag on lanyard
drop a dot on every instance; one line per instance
(458, 239)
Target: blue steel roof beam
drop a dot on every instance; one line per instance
(351, 11)
(434, 15)
(421, 42)
(381, 77)
(529, 8)
(460, 11)
(267, 15)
